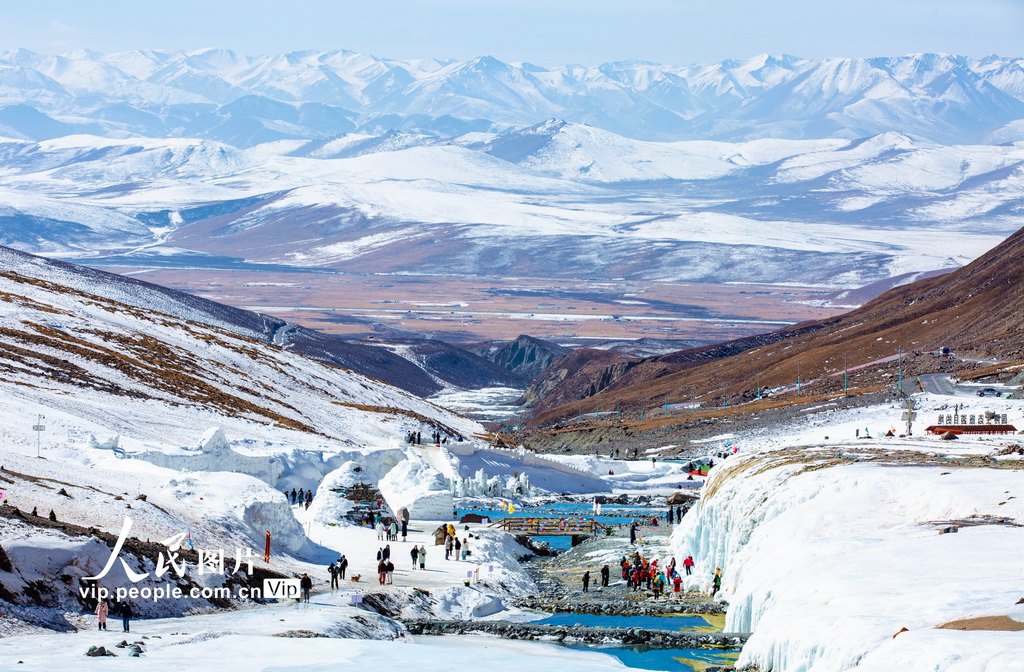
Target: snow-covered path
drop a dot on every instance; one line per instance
(246, 640)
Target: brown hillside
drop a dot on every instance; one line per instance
(978, 310)
(573, 376)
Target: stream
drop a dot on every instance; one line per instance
(494, 405)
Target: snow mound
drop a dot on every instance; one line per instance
(216, 454)
(416, 485)
(240, 505)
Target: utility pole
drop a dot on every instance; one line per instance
(39, 428)
(899, 363)
(909, 415)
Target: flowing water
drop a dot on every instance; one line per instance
(668, 660)
(648, 657)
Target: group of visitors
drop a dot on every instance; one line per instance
(605, 573)
(301, 497)
(419, 555)
(455, 546)
(641, 573)
(416, 438)
(674, 515)
(124, 609)
(385, 568)
(388, 529)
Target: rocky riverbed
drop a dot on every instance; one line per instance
(618, 607)
(577, 633)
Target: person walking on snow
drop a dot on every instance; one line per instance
(309, 498)
(382, 572)
(380, 530)
(448, 547)
(306, 584)
(423, 556)
(342, 566)
(415, 553)
(332, 569)
(586, 581)
(604, 576)
(716, 581)
(126, 616)
(405, 528)
(390, 567)
(458, 548)
(688, 565)
(101, 614)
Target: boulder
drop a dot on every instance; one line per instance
(676, 498)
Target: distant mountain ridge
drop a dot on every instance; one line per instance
(551, 200)
(246, 100)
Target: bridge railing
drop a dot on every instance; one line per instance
(549, 526)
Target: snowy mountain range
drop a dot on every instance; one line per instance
(246, 100)
(551, 200)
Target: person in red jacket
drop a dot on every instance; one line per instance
(688, 565)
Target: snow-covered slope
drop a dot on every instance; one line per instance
(246, 100)
(134, 371)
(422, 368)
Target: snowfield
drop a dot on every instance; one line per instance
(576, 200)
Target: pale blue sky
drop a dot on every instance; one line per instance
(549, 32)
